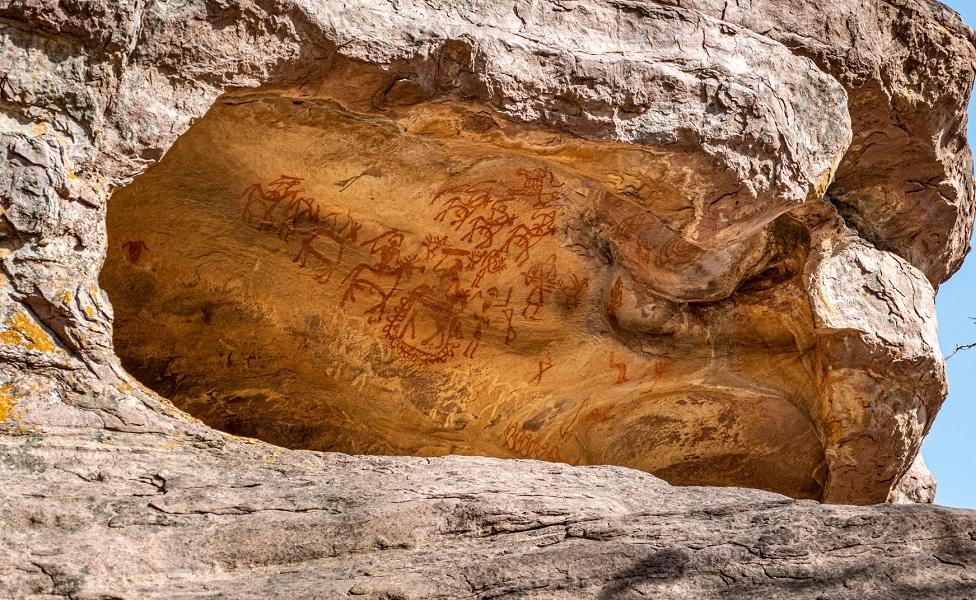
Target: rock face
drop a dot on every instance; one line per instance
(689, 238)
(917, 485)
(142, 515)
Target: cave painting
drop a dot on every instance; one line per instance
(370, 294)
(437, 296)
(544, 365)
(526, 444)
(134, 249)
(620, 368)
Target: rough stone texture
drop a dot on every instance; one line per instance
(137, 515)
(916, 486)
(906, 181)
(760, 203)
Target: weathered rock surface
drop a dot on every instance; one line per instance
(700, 240)
(123, 515)
(906, 181)
(917, 485)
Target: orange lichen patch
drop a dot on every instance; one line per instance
(21, 330)
(7, 404)
(41, 129)
(90, 311)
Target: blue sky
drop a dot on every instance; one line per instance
(950, 449)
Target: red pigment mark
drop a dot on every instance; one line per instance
(621, 370)
(134, 250)
(544, 365)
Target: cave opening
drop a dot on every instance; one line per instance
(437, 280)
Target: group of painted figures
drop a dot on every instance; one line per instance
(449, 292)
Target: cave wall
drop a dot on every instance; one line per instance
(444, 283)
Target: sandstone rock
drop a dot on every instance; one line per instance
(907, 65)
(694, 240)
(143, 515)
(917, 486)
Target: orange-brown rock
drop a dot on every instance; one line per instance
(409, 285)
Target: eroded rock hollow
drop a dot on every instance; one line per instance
(692, 239)
(445, 282)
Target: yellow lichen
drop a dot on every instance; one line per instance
(90, 311)
(96, 296)
(67, 297)
(21, 330)
(41, 128)
(7, 404)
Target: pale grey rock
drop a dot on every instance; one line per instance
(907, 65)
(917, 486)
(142, 515)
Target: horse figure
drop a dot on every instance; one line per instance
(487, 227)
(279, 190)
(323, 241)
(462, 202)
(384, 277)
(300, 207)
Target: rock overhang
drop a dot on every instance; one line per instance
(445, 281)
(751, 131)
(679, 200)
